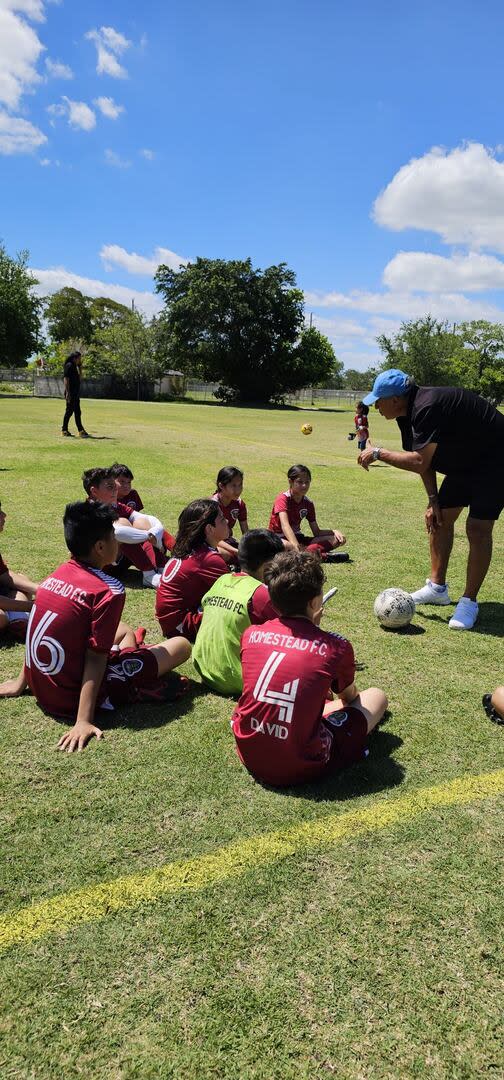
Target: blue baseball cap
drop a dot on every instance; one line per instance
(391, 383)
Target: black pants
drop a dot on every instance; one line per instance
(73, 406)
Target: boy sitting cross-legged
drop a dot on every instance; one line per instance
(139, 535)
(286, 730)
(79, 656)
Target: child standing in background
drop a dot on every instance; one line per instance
(362, 425)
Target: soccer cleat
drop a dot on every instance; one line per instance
(432, 594)
(465, 614)
(67, 434)
(151, 579)
(84, 435)
(336, 556)
(492, 713)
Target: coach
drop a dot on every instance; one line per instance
(452, 431)
(72, 378)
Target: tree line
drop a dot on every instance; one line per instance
(232, 324)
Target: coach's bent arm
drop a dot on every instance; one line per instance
(417, 461)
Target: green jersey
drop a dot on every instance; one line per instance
(216, 654)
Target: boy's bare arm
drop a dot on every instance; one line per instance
(10, 604)
(287, 529)
(84, 727)
(11, 580)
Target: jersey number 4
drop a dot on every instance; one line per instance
(40, 640)
(284, 698)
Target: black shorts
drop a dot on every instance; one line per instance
(482, 492)
(348, 728)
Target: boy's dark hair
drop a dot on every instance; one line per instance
(226, 475)
(86, 522)
(192, 524)
(94, 477)
(257, 547)
(294, 578)
(117, 470)
(295, 472)
(363, 408)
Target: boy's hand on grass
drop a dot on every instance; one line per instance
(339, 538)
(78, 737)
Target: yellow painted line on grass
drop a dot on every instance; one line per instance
(95, 902)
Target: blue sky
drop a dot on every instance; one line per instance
(362, 144)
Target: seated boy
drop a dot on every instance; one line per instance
(286, 730)
(71, 665)
(139, 535)
(16, 596)
(128, 495)
(229, 607)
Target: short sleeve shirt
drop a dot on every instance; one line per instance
(133, 501)
(288, 666)
(235, 511)
(468, 430)
(296, 512)
(71, 372)
(76, 609)
(184, 583)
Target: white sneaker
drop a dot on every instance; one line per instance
(432, 594)
(151, 579)
(465, 614)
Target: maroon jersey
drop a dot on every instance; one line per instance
(124, 510)
(183, 584)
(296, 512)
(4, 569)
(259, 607)
(133, 501)
(235, 511)
(77, 608)
(288, 666)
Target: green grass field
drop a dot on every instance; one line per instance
(351, 929)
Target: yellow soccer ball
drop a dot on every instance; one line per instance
(306, 429)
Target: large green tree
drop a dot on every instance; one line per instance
(129, 346)
(241, 327)
(424, 348)
(479, 363)
(20, 310)
(69, 317)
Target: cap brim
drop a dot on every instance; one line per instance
(370, 399)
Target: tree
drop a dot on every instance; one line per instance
(69, 318)
(424, 349)
(316, 359)
(129, 346)
(20, 310)
(479, 363)
(240, 327)
(358, 380)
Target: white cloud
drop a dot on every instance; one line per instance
(419, 271)
(458, 194)
(34, 9)
(108, 107)
(116, 160)
(56, 70)
(109, 45)
(49, 281)
(46, 162)
(113, 255)
(20, 49)
(80, 115)
(18, 136)
(149, 155)
(404, 305)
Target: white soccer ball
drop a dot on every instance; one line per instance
(394, 608)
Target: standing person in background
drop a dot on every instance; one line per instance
(72, 379)
(362, 425)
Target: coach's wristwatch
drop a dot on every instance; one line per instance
(376, 453)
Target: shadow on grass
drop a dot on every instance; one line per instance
(411, 630)
(490, 622)
(378, 772)
(139, 717)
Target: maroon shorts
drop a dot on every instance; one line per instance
(309, 544)
(127, 672)
(348, 728)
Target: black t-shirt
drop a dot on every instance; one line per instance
(71, 372)
(468, 430)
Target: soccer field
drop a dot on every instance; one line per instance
(163, 916)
